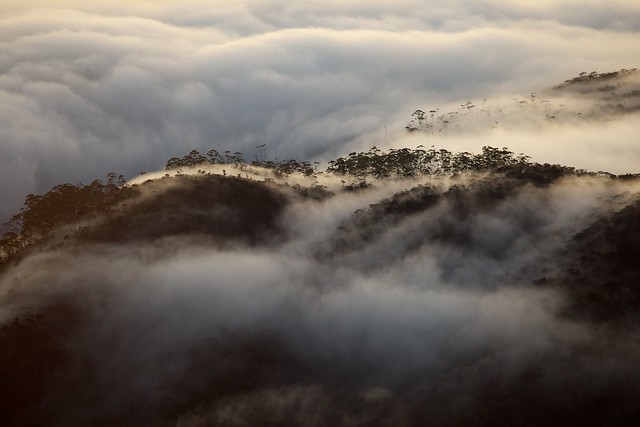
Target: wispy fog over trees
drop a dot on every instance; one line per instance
(500, 293)
(347, 213)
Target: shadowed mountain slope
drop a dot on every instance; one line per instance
(406, 287)
(184, 306)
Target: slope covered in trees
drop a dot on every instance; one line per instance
(114, 211)
(513, 227)
(396, 287)
(590, 96)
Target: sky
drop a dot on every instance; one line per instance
(88, 88)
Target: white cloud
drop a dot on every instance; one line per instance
(92, 88)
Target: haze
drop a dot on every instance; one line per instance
(86, 89)
(444, 299)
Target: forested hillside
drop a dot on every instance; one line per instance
(392, 287)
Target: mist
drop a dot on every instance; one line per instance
(355, 318)
(122, 87)
(233, 296)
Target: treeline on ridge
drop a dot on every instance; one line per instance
(64, 204)
(76, 205)
(376, 163)
(397, 163)
(594, 75)
(194, 158)
(409, 163)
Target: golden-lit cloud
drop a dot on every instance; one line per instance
(87, 88)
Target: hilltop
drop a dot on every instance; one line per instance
(403, 287)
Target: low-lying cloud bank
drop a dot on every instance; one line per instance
(414, 318)
(89, 89)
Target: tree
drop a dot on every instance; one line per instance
(214, 157)
(194, 158)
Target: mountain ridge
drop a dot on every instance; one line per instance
(398, 287)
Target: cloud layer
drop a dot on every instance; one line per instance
(407, 325)
(89, 89)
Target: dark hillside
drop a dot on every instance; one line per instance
(419, 308)
(399, 287)
(603, 277)
(224, 208)
(450, 218)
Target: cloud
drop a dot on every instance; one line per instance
(146, 322)
(89, 89)
(407, 325)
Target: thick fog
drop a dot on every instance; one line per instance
(87, 89)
